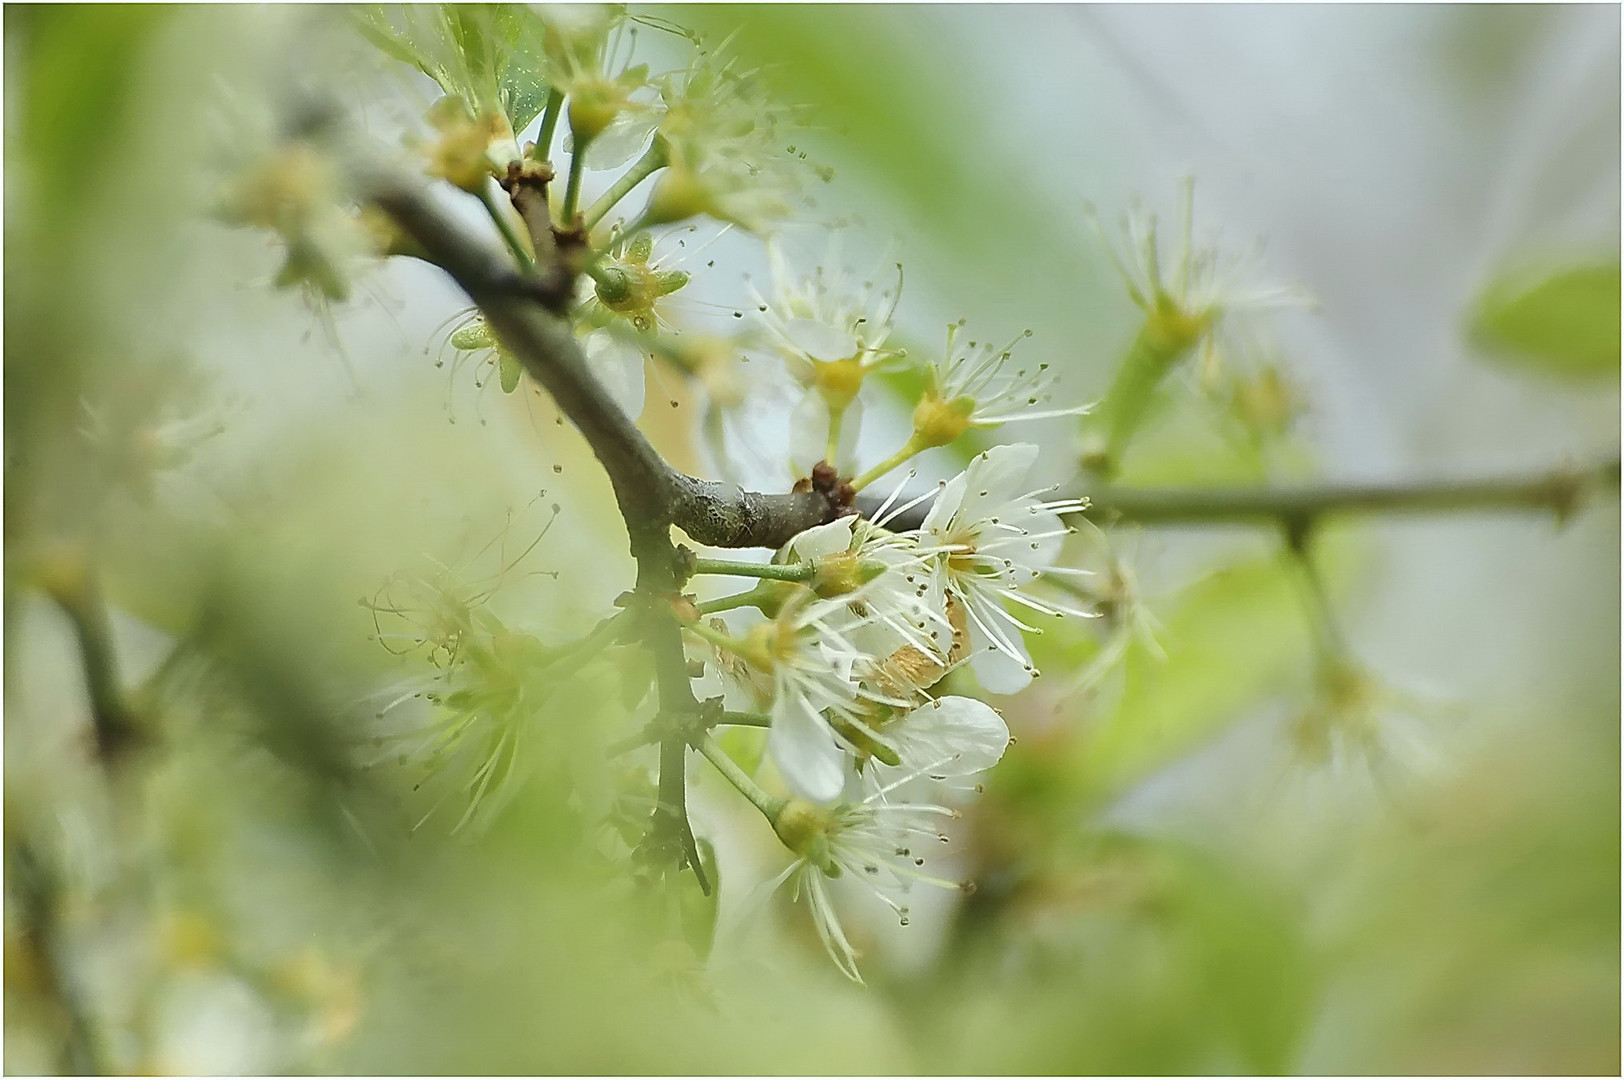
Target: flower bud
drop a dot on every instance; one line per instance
(613, 286)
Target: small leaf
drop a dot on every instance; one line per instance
(1564, 325)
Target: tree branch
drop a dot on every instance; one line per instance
(1562, 492)
(650, 492)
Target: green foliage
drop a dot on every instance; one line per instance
(1224, 640)
(1152, 957)
(1233, 634)
(1561, 325)
(268, 846)
(487, 54)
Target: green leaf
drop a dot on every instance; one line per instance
(524, 91)
(1564, 324)
(482, 53)
(1229, 638)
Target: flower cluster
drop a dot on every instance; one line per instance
(859, 623)
(859, 645)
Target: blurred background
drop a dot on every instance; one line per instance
(1201, 863)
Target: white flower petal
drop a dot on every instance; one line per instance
(626, 134)
(805, 751)
(953, 736)
(995, 478)
(821, 540)
(808, 433)
(619, 367)
(945, 507)
(820, 341)
(999, 672)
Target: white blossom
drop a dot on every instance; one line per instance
(997, 537)
(803, 665)
(993, 387)
(880, 844)
(948, 739)
(727, 145)
(831, 315)
(1192, 288)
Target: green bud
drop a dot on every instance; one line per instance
(613, 286)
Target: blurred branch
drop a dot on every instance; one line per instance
(35, 885)
(1561, 492)
(66, 577)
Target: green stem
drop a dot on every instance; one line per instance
(572, 193)
(498, 209)
(644, 167)
(749, 598)
(745, 719)
(1154, 352)
(714, 636)
(1329, 644)
(602, 636)
(649, 736)
(549, 124)
(769, 571)
(1561, 492)
(769, 805)
(115, 723)
(909, 449)
(831, 449)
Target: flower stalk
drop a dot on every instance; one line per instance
(653, 160)
(767, 571)
(498, 209)
(769, 805)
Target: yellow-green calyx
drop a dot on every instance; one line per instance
(804, 829)
(837, 574)
(1266, 402)
(1173, 328)
(762, 646)
(838, 381)
(593, 108)
(937, 422)
(468, 146)
(631, 288)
